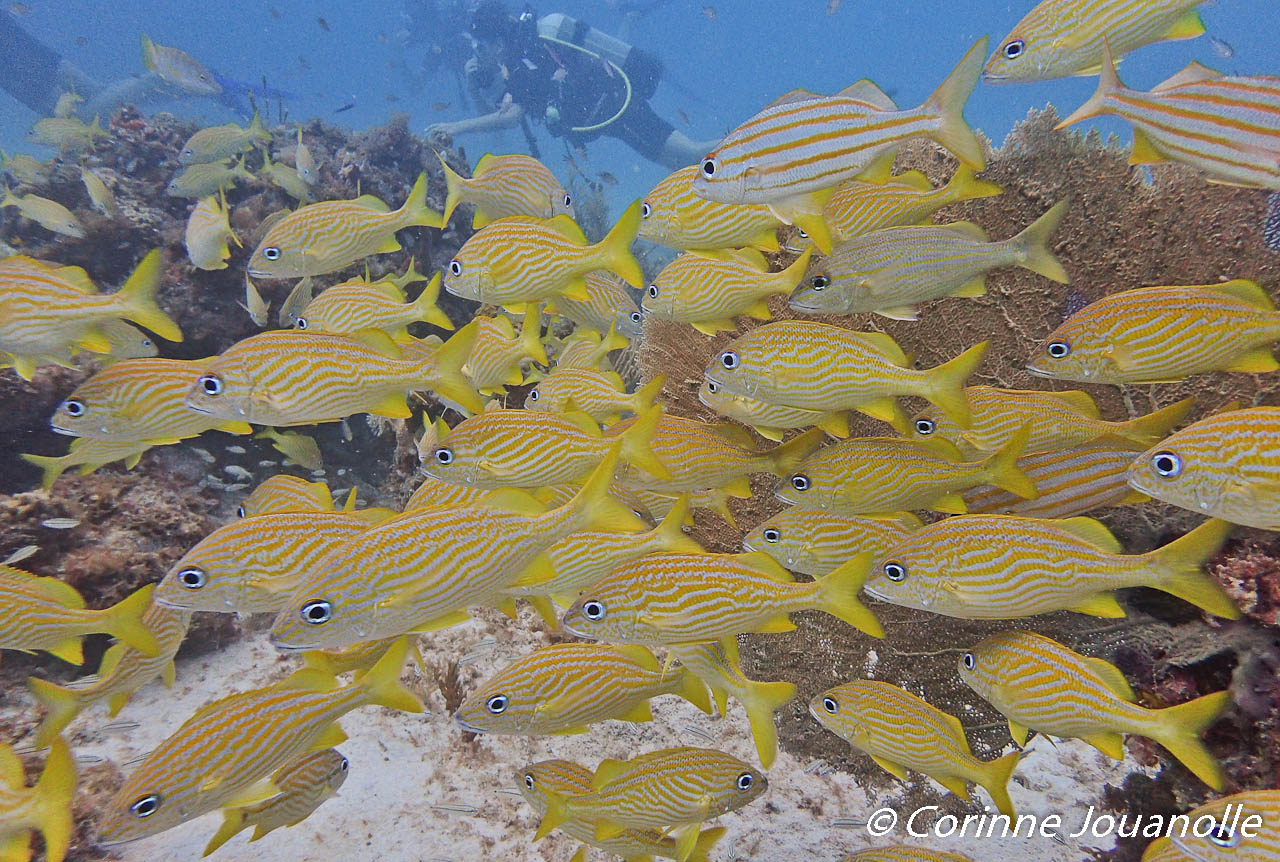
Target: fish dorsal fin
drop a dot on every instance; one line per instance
(607, 772)
(1091, 531)
(885, 344)
(386, 288)
(1112, 677)
(583, 421)
(52, 588)
(514, 500)
(867, 91)
(967, 228)
(763, 564)
(792, 96)
(486, 162)
(564, 225)
(956, 728)
(1081, 402)
(640, 655)
(1194, 73)
(77, 278)
(371, 202)
(752, 258)
(1247, 291)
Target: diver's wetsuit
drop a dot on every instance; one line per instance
(32, 71)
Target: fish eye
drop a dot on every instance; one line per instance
(745, 780)
(1223, 836)
(635, 317)
(188, 152)
(345, 763)
(211, 384)
(593, 610)
(645, 210)
(713, 387)
(800, 482)
(925, 427)
(239, 511)
(317, 612)
(820, 282)
(145, 807)
(830, 705)
(271, 253)
(895, 572)
(533, 394)
(653, 291)
(1166, 464)
(568, 201)
(772, 536)
(300, 323)
(1059, 349)
(969, 661)
(528, 780)
(729, 359)
(496, 704)
(444, 455)
(709, 167)
(192, 578)
(455, 266)
(73, 406)
(1014, 49)
(804, 234)
(146, 342)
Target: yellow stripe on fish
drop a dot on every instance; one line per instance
(858, 207)
(770, 420)
(565, 687)
(694, 598)
(1225, 466)
(1226, 127)
(1238, 836)
(226, 752)
(1006, 566)
(816, 543)
(587, 349)
(901, 731)
(68, 134)
(330, 235)
(891, 271)
(207, 178)
(50, 215)
(800, 363)
(123, 671)
(299, 378)
(1163, 334)
(435, 494)
(88, 455)
(497, 357)
(46, 807)
(674, 216)
(303, 784)
(1039, 684)
(1066, 37)
(608, 304)
(710, 292)
(368, 310)
(517, 260)
(218, 143)
(48, 614)
(285, 493)
(1068, 482)
(600, 394)
(506, 185)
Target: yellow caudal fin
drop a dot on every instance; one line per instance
(761, 700)
(51, 467)
(965, 186)
(148, 53)
(707, 840)
(1108, 83)
(636, 440)
(51, 800)
(457, 189)
(61, 706)
(232, 824)
(838, 595)
(615, 249)
(1032, 245)
(945, 385)
(531, 334)
(995, 778)
(1151, 429)
(415, 210)
(449, 381)
(787, 457)
(1178, 728)
(788, 279)
(669, 537)
(124, 620)
(1189, 26)
(947, 103)
(1178, 569)
(138, 298)
(1002, 469)
(258, 132)
(382, 681)
(644, 397)
(806, 212)
(594, 508)
(426, 309)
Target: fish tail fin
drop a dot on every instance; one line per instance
(258, 132)
(427, 310)
(51, 467)
(761, 700)
(232, 824)
(707, 840)
(615, 248)
(124, 620)
(788, 279)
(995, 778)
(51, 800)
(456, 185)
(139, 297)
(382, 681)
(946, 384)
(1003, 470)
(594, 508)
(1108, 83)
(787, 457)
(669, 537)
(644, 397)
(1178, 569)
(1179, 729)
(1033, 245)
(415, 210)
(635, 443)
(61, 706)
(447, 362)
(613, 340)
(1154, 427)
(148, 53)
(531, 334)
(948, 101)
(557, 812)
(965, 186)
(838, 595)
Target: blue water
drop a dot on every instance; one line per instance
(718, 71)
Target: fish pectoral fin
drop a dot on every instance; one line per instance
(976, 287)
(254, 793)
(1099, 605)
(776, 625)
(332, 737)
(1144, 150)
(897, 770)
(1113, 678)
(569, 731)
(1258, 361)
(445, 621)
(899, 312)
(608, 770)
(1019, 732)
(686, 840)
(496, 468)
(379, 341)
(606, 829)
(1110, 744)
(639, 712)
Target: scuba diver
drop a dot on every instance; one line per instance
(579, 82)
(434, 36)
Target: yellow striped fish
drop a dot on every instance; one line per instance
(360, 657)
(285, 493)
(419, 571)
(208, 231)
(600, 394)
(99, 195)
(693, 598)
(517, 260)
(50, 215)
(24, 168)
(800, 363)
(177, 67)
(608, 304)
(123, 671)
(139, 400)
(497, 356)
(904, 853)
(1224, 466)
(588, 349)
(1069, 482)
(891, 271)
(901, 732)
(718, 665)
(866, 475)
(1039, 684)
(435, 494)
(672, 789)
(252, 565)
(48, 614)
(710, 292)
(1066, 37)
(225, 754)
(788, 153)
(330, 235)
(45, 308)
(67, 134)
(672, 215)
(304, 785)
(45, 807)
(858, 207)
(218, 143)
(298, 449)
(1164, 334)
(1004, 566)
(1057, 420)
(286, 178)
(503, 186)
(659, 505)
(816, 543)
(127, 342)
(371, 312)
(207, 178)
(770, 420)
(88, 455)
(298, 378)
(1238, 836)
(304, 162)
(1226, 127)
(529, 449)
(562, 688)
(538, 780)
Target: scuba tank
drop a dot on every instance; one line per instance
(642, 68)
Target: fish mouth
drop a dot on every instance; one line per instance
(58, 429)
(467, 726)
(570, 630)
(192, 405)
(993, 78)
(1038, 371)
(290, 647)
